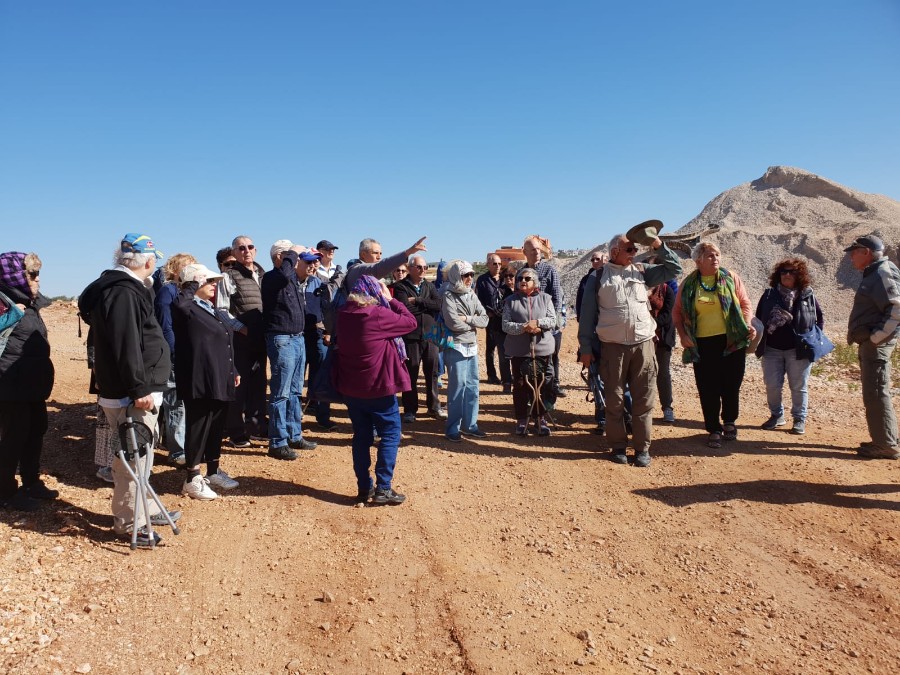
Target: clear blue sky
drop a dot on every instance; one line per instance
(472, 122)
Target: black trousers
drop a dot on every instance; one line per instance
(22, 428)
(204, 429)
(523, 393)
(247, 413)
(495, 340)
(425, 354)
(718, 377)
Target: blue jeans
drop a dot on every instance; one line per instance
(462, 392)
(287, 357)
(775, 364)
(368, 415)
(173, 416)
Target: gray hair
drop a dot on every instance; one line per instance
(280, 246)
(132, 260)
(877, 255)
(234, 242)
(366, 245)
(700, 249)
(414, 257)
(614, 243)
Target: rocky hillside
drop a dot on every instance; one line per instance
(786, 212)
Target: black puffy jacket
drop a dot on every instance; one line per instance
(26, 371)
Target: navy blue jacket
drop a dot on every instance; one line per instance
(284, 306)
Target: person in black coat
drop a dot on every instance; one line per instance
(662, 301)
(26, 380)
(206, 377)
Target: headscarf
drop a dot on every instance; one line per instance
(454, 272)
(12, 272)
(369, 287)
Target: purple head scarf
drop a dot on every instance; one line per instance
(368, 286)
(12, 272)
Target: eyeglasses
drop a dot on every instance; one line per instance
(630, 249)
(509, 276)
(496, 263)
(793, 273)
(596, 259)
(34, 275)
(210, 282)
(468, 275)
(227, 263)
(247, 247)
(402, 271)
(421, 267)
(525, 280)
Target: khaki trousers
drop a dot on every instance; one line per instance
(634, 365)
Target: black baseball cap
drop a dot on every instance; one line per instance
(325, 245)
(870, 242)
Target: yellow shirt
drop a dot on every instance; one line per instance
(710, 319)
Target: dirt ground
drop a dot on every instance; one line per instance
(776, 553)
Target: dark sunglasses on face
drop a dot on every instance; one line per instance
(248, 247)
(630, 249)
(496, 263)
(34, 275)
(421, 267)
(227, 263)
(468, 275)
(525, 280)
(596, 259)
(793, 273)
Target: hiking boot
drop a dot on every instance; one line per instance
(642, 459)
(668, 415)
(159, 520)
(440, 413)
(388, 497)
(198, 488)
(327, 425)
(303, 444)
(20, 501)
(600, 429)
(773, 422)
(240, 442)
(363, 496)
(178, 459)
(874, 451)
(619, 457)
(408, 418)
(222, 481)
(474, 433)
(144, 540)
(105, 473)
(38, 490)
(493, 380)
(799, 427)
(283, 452)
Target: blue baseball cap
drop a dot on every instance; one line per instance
(140, 243)
(306, 256)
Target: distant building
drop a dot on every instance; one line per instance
(510, 254)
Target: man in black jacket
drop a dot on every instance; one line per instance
(131, 362)
(487, 288)
(421, 298)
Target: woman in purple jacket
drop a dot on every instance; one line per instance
(370, 371)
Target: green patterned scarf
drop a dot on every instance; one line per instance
(737, 333)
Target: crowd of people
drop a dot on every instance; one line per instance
(185, 351)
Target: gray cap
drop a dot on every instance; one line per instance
(870, 242)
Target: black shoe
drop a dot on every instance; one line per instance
(284, 452)
(619, 457)
(328, 425)
(20, 501)
(159, 520)
(474, 433)
(560, 393)
(240, 442)
(493, 380)
(507, 388)
(388, 497)
(144, 540)
(600, 429)
(40, 491)
(303, 444)
(363, 496)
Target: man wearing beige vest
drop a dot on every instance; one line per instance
(616, 303)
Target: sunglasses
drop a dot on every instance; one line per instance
(421, 267)
(248, 247)
(227, 263)
(34, 275)
(468, 275)
(210, 282)
(596, 259)
(791, 272)
(525, 280)
(630, 249)
(402, 271)
(509, 276)
(496, 263)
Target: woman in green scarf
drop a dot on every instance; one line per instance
(712, 316)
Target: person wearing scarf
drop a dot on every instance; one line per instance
(26, 380)
(529, 320)
(370, 370)
(712, 317)
(463, 313)
(786, 309)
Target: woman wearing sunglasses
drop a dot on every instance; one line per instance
(787, 308)
(462, 313)
(712, 317)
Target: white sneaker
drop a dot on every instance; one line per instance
(222, 481)
(105, 473)
(668, 415)
(198, 488)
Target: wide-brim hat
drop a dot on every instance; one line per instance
(645, 233)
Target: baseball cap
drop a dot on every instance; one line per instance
(197, 270)
(870, 242)
(326, 245)
(309, 257)
(140, 243)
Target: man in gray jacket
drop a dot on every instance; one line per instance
(616, 303)
(874, 324)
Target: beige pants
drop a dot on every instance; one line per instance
(124, 488)
(634, 365)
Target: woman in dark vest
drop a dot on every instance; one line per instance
(787, 308)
